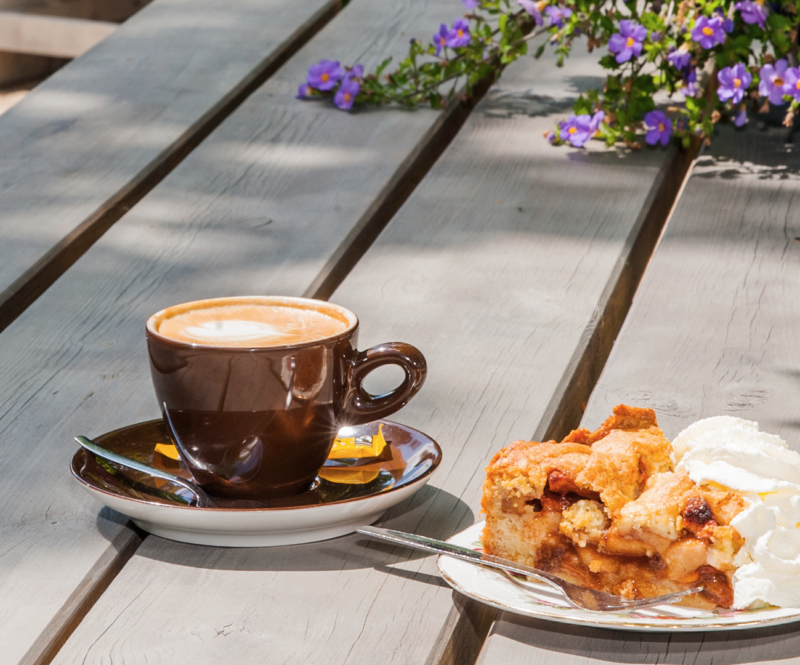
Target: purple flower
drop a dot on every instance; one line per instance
(708, 32)
(733, 81)
(752, 12)
(304, 91)
(690, 82)
(772, 81)
(346, 94)
(578, 129)
(791, 84)
(355, 73)
(324, 75)
(627, 43)
(440, 38)
(470, 4)
(680, 58)
(551, 136)
(659, 128)
(459, 34)
(741, 118)
(533, 9)
(727, 24)
(557, 15)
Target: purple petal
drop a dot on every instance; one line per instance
(616, 43)
(776, 96)
(627, 27)
(624, 55)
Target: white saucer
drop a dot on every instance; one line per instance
(331, 509)
(543, 602)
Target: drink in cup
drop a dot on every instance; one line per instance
(254, 389)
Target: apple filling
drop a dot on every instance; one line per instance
(606, 510)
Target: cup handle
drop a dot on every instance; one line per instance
(361, 407)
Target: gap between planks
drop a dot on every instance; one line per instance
(565, 411)
(471, 621)
(391, 198)
(41, 275)
(77, 606)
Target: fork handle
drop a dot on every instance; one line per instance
(458, 552)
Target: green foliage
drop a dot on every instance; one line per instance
(668, 55)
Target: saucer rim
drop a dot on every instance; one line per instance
(424, 477)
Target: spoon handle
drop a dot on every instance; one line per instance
(202, 499)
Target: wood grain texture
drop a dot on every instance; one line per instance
(259, 207)
(524, 641)
(713, 330)
(495, 268)
(90, 141)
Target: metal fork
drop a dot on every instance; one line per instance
(577, 596)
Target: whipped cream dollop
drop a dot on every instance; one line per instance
(734, 453)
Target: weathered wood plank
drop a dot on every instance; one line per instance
(261, 206)
(524, 641)
(52, 36)
(91, 140)
(712, 331)
(497, 270)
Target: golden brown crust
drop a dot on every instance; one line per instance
(604, 509)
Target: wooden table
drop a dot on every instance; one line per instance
(512, 265)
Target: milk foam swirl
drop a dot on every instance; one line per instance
(248, 322)
(734, 453)
(235, 330)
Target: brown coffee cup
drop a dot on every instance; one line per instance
(256, 418)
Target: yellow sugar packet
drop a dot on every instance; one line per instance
(167, 450)
(358, 447)
(348, 476)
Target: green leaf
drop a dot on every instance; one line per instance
(582, 105)
(609, 62)
(778, 22)
(383, 66)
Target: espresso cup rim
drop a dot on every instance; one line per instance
(163, 339)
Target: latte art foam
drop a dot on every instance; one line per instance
(215, 331)
(251, 324)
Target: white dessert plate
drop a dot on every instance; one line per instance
(543, 602)
(348, 495)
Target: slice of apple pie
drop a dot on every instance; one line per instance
(606, 510)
